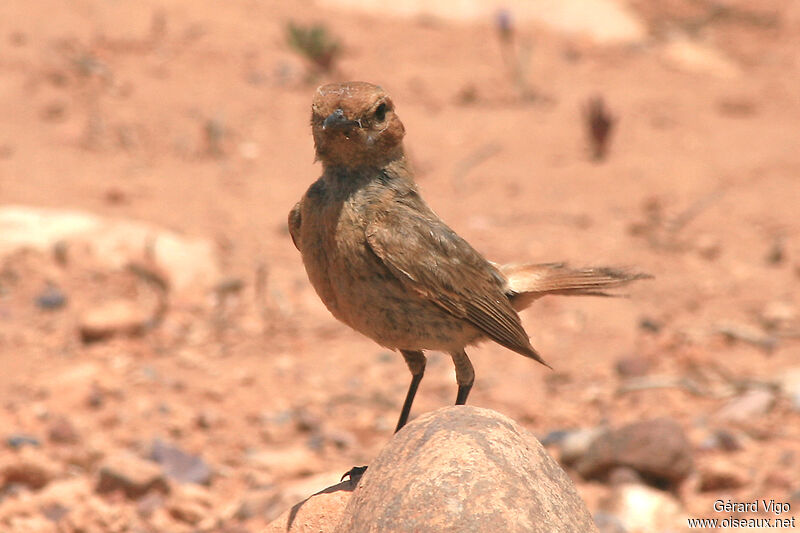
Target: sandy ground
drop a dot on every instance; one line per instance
(194, 116)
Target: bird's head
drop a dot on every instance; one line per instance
(354, 125)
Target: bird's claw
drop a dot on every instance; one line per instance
(354, 473)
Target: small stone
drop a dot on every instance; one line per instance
(778, 314)
(778, 479)
(721, 439)
(693, 56)
(632, 366)
(624, 474)
(130, 474)
(286, 463)
(190, 504)
(789, 382)
(719, 475)
(62, 431)
(117, 317)
(576, 443)
(149, 504)
(258, 503)
(179, 465)
(54, 511)
(642, 508)
(96, 398)
(708, 247)
(776, 253)
(608, 523)
(18, 440)
(657, 449)
(206, 419)
(748, 407)
(650, 324)
(29, 467)
(51, 299)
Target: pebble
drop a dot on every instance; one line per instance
(62, 431)
(642, 508)
(130, 474)
(190, 504)
(286, 463)
(179, 465)
(789, 382)
(576, 443)
(632, 366)
(51, 299)
(29, 467)
(19, 440)
(259, 503)
(657, 449)
(751, 405)
(117, 317)
(719, 474)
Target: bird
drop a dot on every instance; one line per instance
(386, 265)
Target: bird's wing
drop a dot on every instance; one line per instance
(432, 260)
(294, 224)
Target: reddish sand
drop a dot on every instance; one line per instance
(105, 107)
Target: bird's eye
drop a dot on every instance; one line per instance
(380, 113)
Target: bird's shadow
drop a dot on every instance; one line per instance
(348, 485)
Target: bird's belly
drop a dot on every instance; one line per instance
(361, 292)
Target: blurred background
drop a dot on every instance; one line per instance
(166, 366)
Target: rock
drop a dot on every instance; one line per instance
(632, 366)
(778, 314)
(190, 263)
(658, 449)
(789, 382)
(61, 496)
(642, 508)
(465, 469)
(319, 512)
(605, 21)
(747, 407)
(608, 523)
(259, 502)
(179, 465)
(149, 504)
(720, 474)
(708, 246)
(721, 439)
(572, 445)
(117, 317)
(621, 475)
(130, 474)
(190, 504)
(62, 431)
(286, 463)
(29, 467)
(696, 57)
(51, 299)
(18, 440)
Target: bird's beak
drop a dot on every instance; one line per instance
(337, 121)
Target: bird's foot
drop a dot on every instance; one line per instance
(354, 473)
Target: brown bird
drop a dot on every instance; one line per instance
(387, 266)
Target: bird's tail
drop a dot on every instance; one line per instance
(526, 283)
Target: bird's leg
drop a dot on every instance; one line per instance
(416, 364)
(415, 360)
(465, 375)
